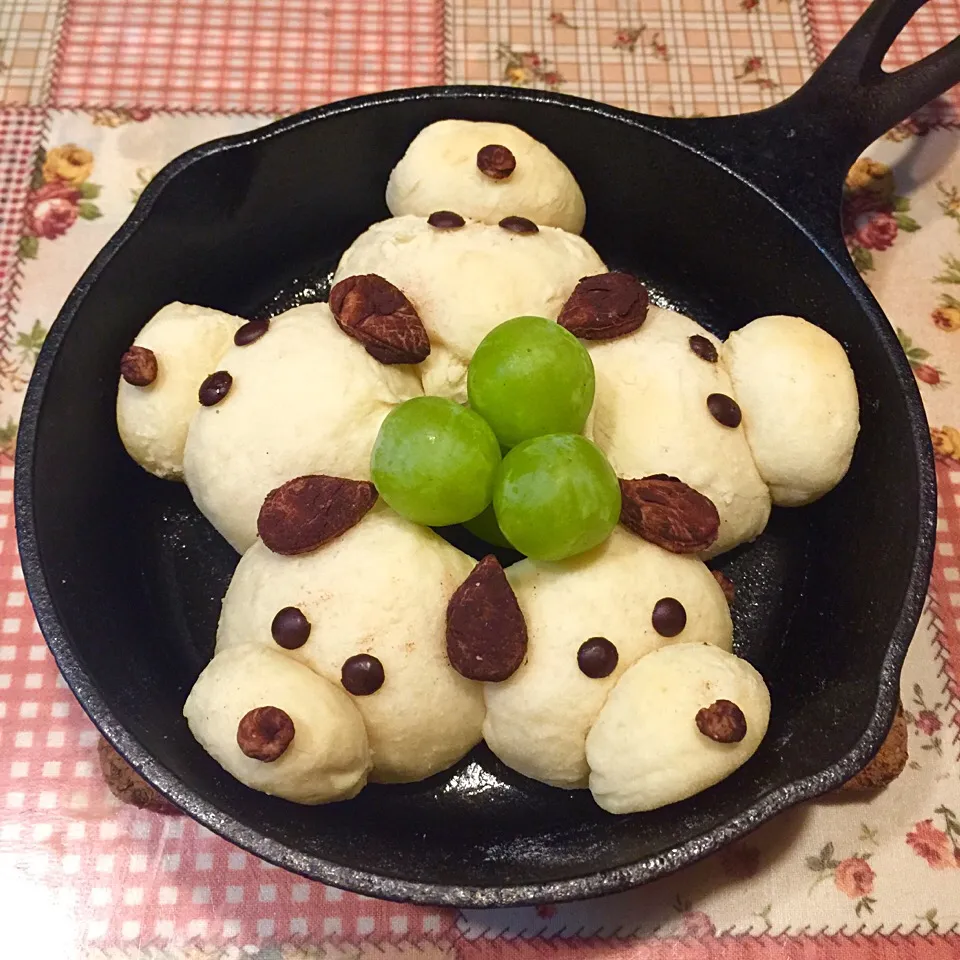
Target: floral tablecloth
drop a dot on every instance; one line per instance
(96, 96)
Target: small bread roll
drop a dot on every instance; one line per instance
(305, 398)
(186, 341)
(537, 720)
(647, 749)
(327, 757)
(465, 281)
(440, 171)
(651, 416)
(796, 389)
(381, 589)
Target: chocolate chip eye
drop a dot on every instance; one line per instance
(251, 331)
(703, 348)
(723, 722)
(725, 410)
(597, 658)
(361, 675)
(496, 161)
(215, 388)
(138, 366)
(446, 220)
(519, 225)
(264, 733)
(290, 628)
(669, 618)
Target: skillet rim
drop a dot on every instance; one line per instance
(588, 885)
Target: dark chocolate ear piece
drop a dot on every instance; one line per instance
(377, 314)
(605, 306)
(486, 632)
(306, 512)
(665, 511)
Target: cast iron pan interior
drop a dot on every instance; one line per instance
(127, 578)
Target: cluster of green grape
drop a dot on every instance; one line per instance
(512, 466)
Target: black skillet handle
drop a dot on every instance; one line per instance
(799, 151)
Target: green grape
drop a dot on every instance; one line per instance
(434, 461)
(530, 377)
(485, 527)
(556, 496)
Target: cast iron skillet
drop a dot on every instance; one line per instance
(727, 219)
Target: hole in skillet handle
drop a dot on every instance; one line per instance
(799, 151)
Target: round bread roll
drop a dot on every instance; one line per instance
(187, 342)
(466, 281)
(646, 749)
(800, 407)
(380, 589)
(305, 398)
(650, 416)
(440, 171)
(328, 757)
(537, 721)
